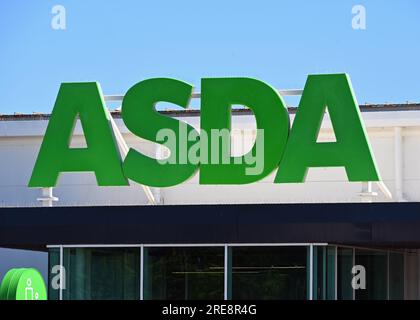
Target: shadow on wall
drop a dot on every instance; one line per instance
(12, 258)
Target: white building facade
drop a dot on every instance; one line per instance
(394, 135)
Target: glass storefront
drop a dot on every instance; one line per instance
(344, 273)
(184, 273)
(383, 274)
(53, 261)
(375, 264)
(279, 272)
(324, 272)
(102, 273)
(396, 276)
(269, 273)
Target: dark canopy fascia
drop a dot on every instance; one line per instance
(361, 224)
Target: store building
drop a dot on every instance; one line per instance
(256, 241)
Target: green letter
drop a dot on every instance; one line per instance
(352, 149)
(218, 95)
(141, 118)
(100, 156)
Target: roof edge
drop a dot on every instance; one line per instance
(236, 111)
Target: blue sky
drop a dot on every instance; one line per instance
(119, 43)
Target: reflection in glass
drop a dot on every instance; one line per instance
(375, 264)
(331, 272)
(344, 275)
(269, 272)
(184, 273)
(102, 273)
(253, 272)
(53, 260)
(324, 273)
(396, 276)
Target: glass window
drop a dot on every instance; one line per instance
(324, 273)
(269, 272)
(53, 260)
(254, 272)
(320, 259)
(331, 265)
(344, 275)
(102, 273)
(375, 264)
(396, 276)
(184, 273)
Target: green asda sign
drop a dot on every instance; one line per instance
(288, 151)
(23, 284)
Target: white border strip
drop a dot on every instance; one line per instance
(188, 245)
